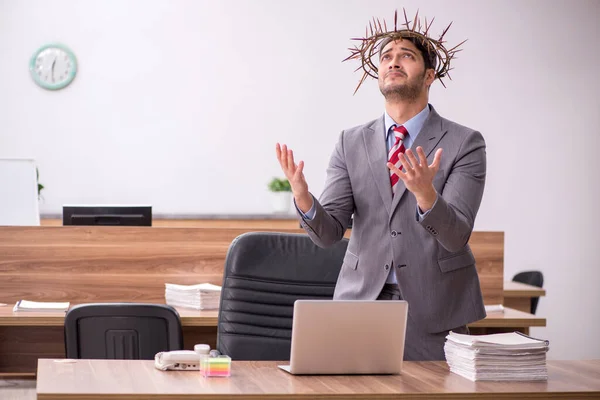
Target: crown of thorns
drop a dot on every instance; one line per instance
(435, 49)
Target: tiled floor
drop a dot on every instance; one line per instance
(17, 389)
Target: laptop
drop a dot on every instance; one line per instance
(347, 337)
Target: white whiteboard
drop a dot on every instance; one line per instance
(18, 193)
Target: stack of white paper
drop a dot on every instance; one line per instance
(498, 357)
(494, 308)
(25, 305)
(204, 296)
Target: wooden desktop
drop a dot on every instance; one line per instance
(138, 379)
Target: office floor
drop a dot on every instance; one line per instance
(17, 389)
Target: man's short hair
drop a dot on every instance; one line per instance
(429, 57)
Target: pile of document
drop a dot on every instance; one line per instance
(204, 296)
(494, 308)
(498, 357)
(26, 305)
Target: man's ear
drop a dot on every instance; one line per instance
(429, 76)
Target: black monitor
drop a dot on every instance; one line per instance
(109, 215)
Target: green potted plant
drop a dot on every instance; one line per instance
(40, 186)
(281, 194)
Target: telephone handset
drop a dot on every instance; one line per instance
(208, 362)
(177, 360)
(182, 359)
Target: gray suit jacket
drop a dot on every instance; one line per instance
(433, 263)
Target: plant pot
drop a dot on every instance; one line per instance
(282, 202)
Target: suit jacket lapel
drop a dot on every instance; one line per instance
(429, 137)
(377, 157)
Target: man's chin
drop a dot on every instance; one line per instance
(395, 88)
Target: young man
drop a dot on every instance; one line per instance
(412, 217)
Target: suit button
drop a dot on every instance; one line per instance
(394, 233)
(387, 267)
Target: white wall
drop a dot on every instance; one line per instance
(179, 104)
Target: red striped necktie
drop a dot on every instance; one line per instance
(394, 153)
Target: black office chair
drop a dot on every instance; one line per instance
(533, 278)
(123, 331)
(265, 273)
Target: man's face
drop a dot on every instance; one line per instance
(402, 73)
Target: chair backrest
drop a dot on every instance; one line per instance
(533, 278)
(265, 273)
(123, 331)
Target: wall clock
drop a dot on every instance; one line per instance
(53, 66)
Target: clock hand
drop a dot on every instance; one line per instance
(53, 63)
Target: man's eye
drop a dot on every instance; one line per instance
(407, 55)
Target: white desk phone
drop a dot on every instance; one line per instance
(183, 359)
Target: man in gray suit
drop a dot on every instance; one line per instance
(410, 232)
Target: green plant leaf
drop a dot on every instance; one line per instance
(279, 185)
(40, 186)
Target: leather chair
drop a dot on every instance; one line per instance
(265, 273)
(123, 331)
(533, 278)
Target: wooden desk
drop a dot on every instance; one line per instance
(518, 295)
(189, 318)
(134, 379)
(508, 321)
(27, 336)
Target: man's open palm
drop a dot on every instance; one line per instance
(292, 172)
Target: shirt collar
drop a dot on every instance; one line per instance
(413, 125)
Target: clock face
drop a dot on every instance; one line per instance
(53, 66)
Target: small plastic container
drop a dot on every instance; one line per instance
(215, 366)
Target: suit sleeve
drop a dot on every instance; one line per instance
(452, 217)
(334, 209)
